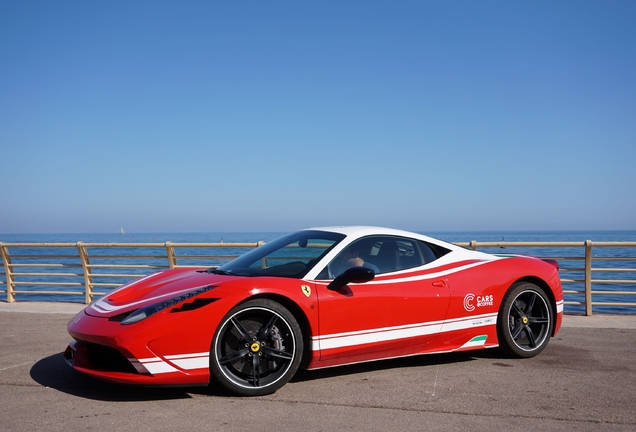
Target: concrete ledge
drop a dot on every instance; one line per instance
(600, 321)
(577, 321)
(42, 307)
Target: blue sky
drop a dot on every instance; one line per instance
(272, 116)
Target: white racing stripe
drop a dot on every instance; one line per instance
(102, 307)
(341, 340)
(156, 365)
(399, 278)
(201, 360)
(430, 275)
(191, 361)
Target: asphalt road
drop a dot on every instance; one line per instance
(584, 380)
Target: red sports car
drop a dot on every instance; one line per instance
(316, 298)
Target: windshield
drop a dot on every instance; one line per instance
(290, 256)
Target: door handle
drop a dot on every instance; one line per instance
(439, 284)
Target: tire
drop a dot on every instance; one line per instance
(525, 320)
(257, 348)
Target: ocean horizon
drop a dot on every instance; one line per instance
(249, 236)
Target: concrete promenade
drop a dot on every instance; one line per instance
(585, 380)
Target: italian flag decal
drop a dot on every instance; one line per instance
(476, 342)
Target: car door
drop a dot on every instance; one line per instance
(403, 306)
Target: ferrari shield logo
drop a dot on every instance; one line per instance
(306, 289)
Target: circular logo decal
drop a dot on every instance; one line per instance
(468, 302)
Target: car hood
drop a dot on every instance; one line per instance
(154, 288)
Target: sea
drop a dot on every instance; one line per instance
(451, 236)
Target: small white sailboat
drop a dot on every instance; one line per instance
(121, 231)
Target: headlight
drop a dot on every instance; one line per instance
(145, 312)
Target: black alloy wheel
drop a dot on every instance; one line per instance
(525, 320)
(256, 349)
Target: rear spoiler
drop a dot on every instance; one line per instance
(551, 261)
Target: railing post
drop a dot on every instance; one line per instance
(88, 279)
(8, 271)
(588, 277)
(172, 259)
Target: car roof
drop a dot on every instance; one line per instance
(357, 231)
(362, 230)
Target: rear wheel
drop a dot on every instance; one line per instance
(256, 349)
(525, 320)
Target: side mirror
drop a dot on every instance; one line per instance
(352, 275)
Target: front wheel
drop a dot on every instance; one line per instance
(256, 349)
(525, 320)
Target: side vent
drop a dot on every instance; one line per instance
(196, 304)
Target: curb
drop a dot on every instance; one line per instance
(576, 321)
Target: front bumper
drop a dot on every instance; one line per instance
(167, 349)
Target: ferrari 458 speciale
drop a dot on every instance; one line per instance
(316, 298)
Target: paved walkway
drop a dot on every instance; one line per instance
(585, 380)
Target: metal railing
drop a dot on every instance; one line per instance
(621, 256)
(81, 271)
(45, 266)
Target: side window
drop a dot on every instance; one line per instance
(383, 254)
(431, 252)
(355, 255)
(391, 254)
(409, 255)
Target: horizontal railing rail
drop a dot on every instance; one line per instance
(83, 271)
